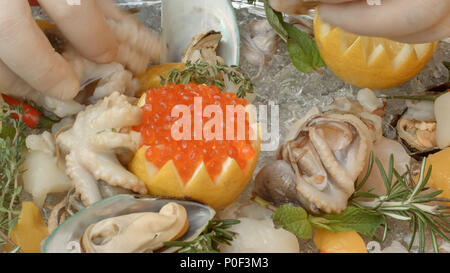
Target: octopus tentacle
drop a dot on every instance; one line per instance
(84, 182)
(116, 112)
(104, 167)
(112, 140)
(138, 46)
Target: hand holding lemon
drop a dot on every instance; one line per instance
(407, 21)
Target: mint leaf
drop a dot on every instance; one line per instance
(275, 19)
(353, 218)
(294, 220)
(302, 50)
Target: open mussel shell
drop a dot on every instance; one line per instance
(67, 236)
(182, 20)
(415, 153)
(407, 140)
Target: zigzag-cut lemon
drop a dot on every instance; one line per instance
(369, 62)
(212, 171)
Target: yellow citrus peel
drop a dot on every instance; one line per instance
(369, 62)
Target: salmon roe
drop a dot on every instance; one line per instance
(156, 128)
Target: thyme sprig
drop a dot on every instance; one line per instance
(227, 78)
(12, 147)
(215, 234)
(407, 200)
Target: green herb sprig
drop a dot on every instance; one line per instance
(12, 147)
(215, 234)
(406, 200)
(302, 49)
(227, 78)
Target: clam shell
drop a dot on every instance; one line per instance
(66, 237)
(182, 20)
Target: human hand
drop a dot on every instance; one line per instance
(27, 55)
(408, 21)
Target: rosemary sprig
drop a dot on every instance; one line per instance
(208, 241)
(227, 78)
(430, 97)
(12, 147)
(407, 200)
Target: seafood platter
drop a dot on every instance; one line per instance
(222, 123)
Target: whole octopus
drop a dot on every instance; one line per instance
(91, 145)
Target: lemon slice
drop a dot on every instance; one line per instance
(369, 62)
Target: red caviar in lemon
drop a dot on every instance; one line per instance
(157, 122)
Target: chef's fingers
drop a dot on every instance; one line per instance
(394, 18)
(109, 10)
(336, 1)
(439, 31)
(27, 52)
(11, 84)
(84, 26)
(300, 6)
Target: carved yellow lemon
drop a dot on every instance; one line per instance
(339, 242)
(369, 62)
(214, 172)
